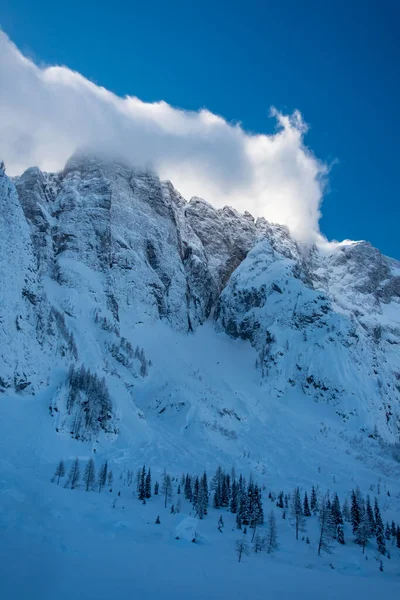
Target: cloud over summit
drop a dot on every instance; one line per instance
(47, 113)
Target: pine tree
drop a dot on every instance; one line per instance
(314, 501)
(158, 520)
(73, 475)
(244, 509)
(156, 488)
(110, 479)
(393, 530)
(346, 510)
(220, 524)
(234, 498)
(224, 497)
(363, 532)
(297, 511)
(388, 533)
(166, 489)
(379, 530)
(340, 534)
(196, 490)
(142, 485)
(242, 547)
(272, 536)
(327, 528)
(60, 471)
(148, 484)
(370, 517)
(336, 511)
(306, 508)
(188, 488)
(354, 512)
(279, 502)
(398, 536)
(102, 477)
(89, 476)
(259, 543)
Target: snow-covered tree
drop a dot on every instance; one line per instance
(363, 532)
(102, 477)
(306, 508)
(167, 489)
(242, 547)
(297, 512)
(336, 511)
(73, 475)
(60, 471)
(142, 485)
(148, 484)
(272, 534)
(220, 524)
(314, 500)
(355, 511)
(327, 528)
(379, 529)
(89, 477)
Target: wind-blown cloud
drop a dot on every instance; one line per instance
(48, 113)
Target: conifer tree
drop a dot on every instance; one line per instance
(363, 532)
(340, 534)
(297, 512)
(272, 535)
(388, 534)
(110, 479)
(398, 536)
(166, 489)
(148, 484)
(370, 517)
(242, 547)
(234, 498)
(354, 512)
(306, 508)
(142, 485)
(89, 476)
(188, 488)
(279, 502)
(156, 488)
(73, 475)
(336, 511)
(60, 471)
(326, 527)
(346, 510)
(196, 491)
(379, 529)
(393, 530)
(220, 524)
(314, 500)
(102, 477)
(256, 509)
(158, 520)
(259, 543)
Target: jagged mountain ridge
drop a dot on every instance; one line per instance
(94, 252)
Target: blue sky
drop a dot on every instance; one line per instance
(337, 62)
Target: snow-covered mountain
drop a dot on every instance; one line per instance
(95, 257)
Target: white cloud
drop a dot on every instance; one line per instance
(47, 113)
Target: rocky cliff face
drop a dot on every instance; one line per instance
(89, 254)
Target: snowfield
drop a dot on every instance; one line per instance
(138, 328)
